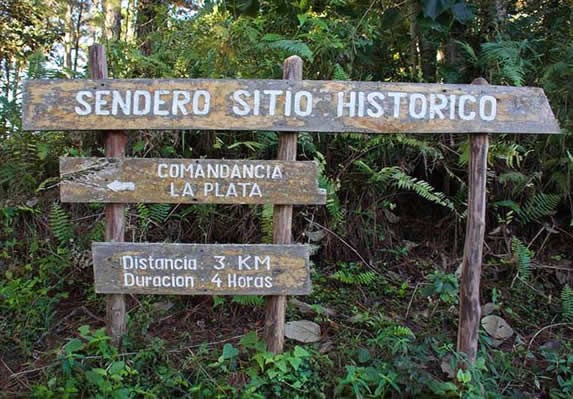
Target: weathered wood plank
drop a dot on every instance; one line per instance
(191, 181)
(200, 269)
(285, 105)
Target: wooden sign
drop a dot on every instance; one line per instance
(191, 181)
(200, 269)
(285, 105)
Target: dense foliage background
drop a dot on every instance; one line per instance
(387, 244)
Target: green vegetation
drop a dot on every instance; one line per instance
(387, 244)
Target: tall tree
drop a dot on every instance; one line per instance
(113, 18)
(147, 23)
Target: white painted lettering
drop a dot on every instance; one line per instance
(288, 103)
(255, 191)
(273, 94)
(208, 188)
(100, 102)
(298, 107)
(256, 102)
(128, 280)
(201, 96)
(161, 170)
(462, 107)
(127, 262)
(86, 108)
(158, 102)
(243, 108)
(436, 108)
(483, 101)
(378, 110)
(277, 173)
(188, 190)
(243, 262)
(141, 102)
(421, 99)
(263, 261)
(397, 97)
(453, 98)
(180, 99)
(351, 104)
(118, 102)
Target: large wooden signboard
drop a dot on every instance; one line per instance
(285, 105)
(188, 269)
(191, 181)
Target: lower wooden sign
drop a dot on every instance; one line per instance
(200, 269)
(190, 181)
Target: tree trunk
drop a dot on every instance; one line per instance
(112, 27)
(77, 34)
(413, 12)
(428, 51)
(69, 34)
(146, 23)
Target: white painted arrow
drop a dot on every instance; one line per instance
(117, 185)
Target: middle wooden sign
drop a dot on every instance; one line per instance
(190, 181)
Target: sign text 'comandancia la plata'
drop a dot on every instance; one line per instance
(191, 181)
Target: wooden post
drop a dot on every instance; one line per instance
(470, 310)
(115, 142)
(282, 225)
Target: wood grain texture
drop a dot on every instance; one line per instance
(470, 310)
(194, 269)
(282, 224)
(51, 105)
(114, 143)
(195, 181)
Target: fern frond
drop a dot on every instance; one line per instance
(333, 206)
(538, 206)
(143, 213)
(399, 331)
(158, 213)
(468, 50)
(267, 223)
(522, 256)
(422, 188)
(60, 224)
(339, 73)
(351, 273)
(296, 47)
(513, 177)
(508, 54)
(567, 303)
(423, 147)
(511, 153)
(353, 278)
(248, 300)
(383, 177)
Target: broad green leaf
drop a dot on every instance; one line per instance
(462, 12)
(73, 345)
(229, 352)
(295, 362)
(363, 355)
(299, 351)
(116, 367)
(433, 8)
